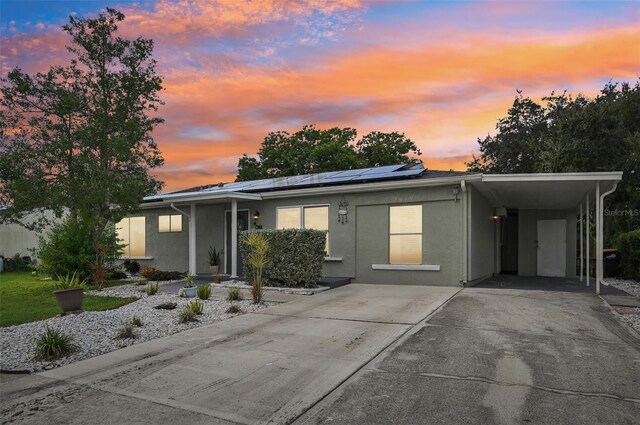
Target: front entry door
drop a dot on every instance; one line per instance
(243, 224)
(552, 248)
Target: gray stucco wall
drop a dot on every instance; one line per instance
(367, 223)
(527, 239)
(170, 251)
(16, 239)
(482, 237)
(441, 243)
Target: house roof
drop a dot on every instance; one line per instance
(528, 191)
(307, 181)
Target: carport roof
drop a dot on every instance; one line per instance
(559, 191)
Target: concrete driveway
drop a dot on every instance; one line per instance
(267, 367)
(499, 356)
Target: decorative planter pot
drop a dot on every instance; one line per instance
(214, 269)
(69, 299)
(190, 292)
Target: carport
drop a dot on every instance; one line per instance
(549, 225)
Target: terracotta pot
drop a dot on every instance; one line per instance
(214, 270)
(69, 299)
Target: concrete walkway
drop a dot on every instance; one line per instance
(268, 367)
(499, 356)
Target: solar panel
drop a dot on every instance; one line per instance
(327, 178)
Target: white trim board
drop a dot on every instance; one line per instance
(415, 267)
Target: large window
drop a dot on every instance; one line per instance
(405, 234)
(170, 223)
(304, 218)
(131, 232)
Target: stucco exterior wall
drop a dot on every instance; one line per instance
(355, 245)
(15, 239)
(481, 237)
(170, 251)
(527, 239)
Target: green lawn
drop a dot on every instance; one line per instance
(25, 298)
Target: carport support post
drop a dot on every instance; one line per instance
(192, 239)
(598, 238)
(588, 241)
(581, 245)
(234, 238)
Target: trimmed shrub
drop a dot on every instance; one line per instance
(628, 245)
(116, 275)
(147, 271)
(132, 266)
(294, 257)
(159, 275)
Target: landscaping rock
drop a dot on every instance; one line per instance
(166, 306)
(93, 330)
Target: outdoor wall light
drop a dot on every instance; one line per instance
(343, 212)
(256, 215)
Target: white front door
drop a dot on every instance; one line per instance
(552, 248)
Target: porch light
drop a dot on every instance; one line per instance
(343, 211)
(499, 213)
(256, 215)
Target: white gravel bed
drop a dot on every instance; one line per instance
(630, 315)
(285, 290)
(95, 331)
(126, 290)
(631, 287)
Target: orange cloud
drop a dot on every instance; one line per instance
(443, 96)
(443, 91)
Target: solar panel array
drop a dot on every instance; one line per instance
(329, 178)
(387, 172)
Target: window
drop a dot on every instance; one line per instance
(170, 223)
(405, 234)
(131, 232)
(304, 218)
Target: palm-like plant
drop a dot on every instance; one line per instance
(258, 245)
(189, 280)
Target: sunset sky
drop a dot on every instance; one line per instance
(442, 72)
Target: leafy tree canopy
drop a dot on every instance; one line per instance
(572, 134)
(312, 150)
(78, 137)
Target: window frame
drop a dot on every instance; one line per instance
(302, 207)
(421, 234)
(170, 223)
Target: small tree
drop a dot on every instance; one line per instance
(77, 139)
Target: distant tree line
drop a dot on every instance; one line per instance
(566, 133)
(312, 150)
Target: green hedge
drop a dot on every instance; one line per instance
(294, 257)
(628, 245)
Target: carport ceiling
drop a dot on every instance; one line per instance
(545, 192)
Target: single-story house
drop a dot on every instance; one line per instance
(401, 224)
